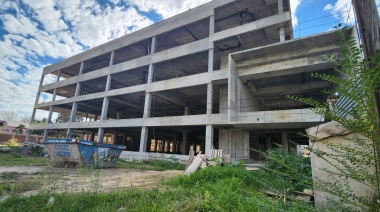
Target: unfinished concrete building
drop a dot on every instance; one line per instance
(213, 76)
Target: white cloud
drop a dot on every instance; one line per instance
(342, 10)
(294, 4)
(165, 8)
(52, 29)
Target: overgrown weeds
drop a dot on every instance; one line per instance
(212, 189)
(15, 159)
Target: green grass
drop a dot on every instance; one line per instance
(155, 165)
(211, 189)
(10, 185)
(15, 159)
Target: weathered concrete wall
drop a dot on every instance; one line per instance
(235, 143)
(139, 156)
(317, 164)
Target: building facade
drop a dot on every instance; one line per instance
(214, 76)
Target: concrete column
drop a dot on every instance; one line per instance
(209, 99)
(150, 74)
(103, 115)
(282, 34)
(280, 7)
(284, 140)
(81, 68)
(69, 133)
(187, 110)
(144, 139)
(54, 95)
(209, 139)
(153, 46)
(211, 59)
(268, 141)
(184, 142)
(117, 115)
(112, 58)
(100, 135)
(77, 89)
(46, 133)
(50, 114)
(212, 24)
(58, 75)
(108, 83)
(73, 111)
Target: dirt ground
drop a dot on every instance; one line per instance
(82, 179)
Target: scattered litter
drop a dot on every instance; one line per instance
(51, 201)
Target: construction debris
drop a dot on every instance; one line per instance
(203, 161)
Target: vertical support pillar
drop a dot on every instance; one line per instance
(48, 120)
(148, 102)
(100, 135)
(46, 132)
(280, 7)
(112, 58)
(280, 11)
(69, 133)
(184, 142)
(81, 68)
(58, 75)
(268, 141)
(144, 139)
(103, 115)
(209, 139)
(34, 107)
(54, 95)
(282, 34)
(284, 140)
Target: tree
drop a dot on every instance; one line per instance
(9, 116)
(19, 129)
(26, 119)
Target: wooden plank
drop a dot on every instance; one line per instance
(198, 160)
(191, 156)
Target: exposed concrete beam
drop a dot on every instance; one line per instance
(192, 35)
(171, 99)
(259, 24)
(129, 103)
(189, 81)
(190, 16)
(272, 57)
(283, 103)
(291, 89)
(179, 51)
(267, 119)
(241, 42)
(307, 64)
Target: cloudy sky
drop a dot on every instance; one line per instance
(36, 33)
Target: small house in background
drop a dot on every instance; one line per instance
(3, 126)
(11, 126)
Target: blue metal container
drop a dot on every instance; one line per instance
(66, 152)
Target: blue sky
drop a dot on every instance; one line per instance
(36, 33)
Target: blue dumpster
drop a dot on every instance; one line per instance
(66, 152)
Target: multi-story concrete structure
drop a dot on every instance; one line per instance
(216, 75)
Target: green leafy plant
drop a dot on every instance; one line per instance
(356, 80)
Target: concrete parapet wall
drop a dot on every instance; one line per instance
(140, 156)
